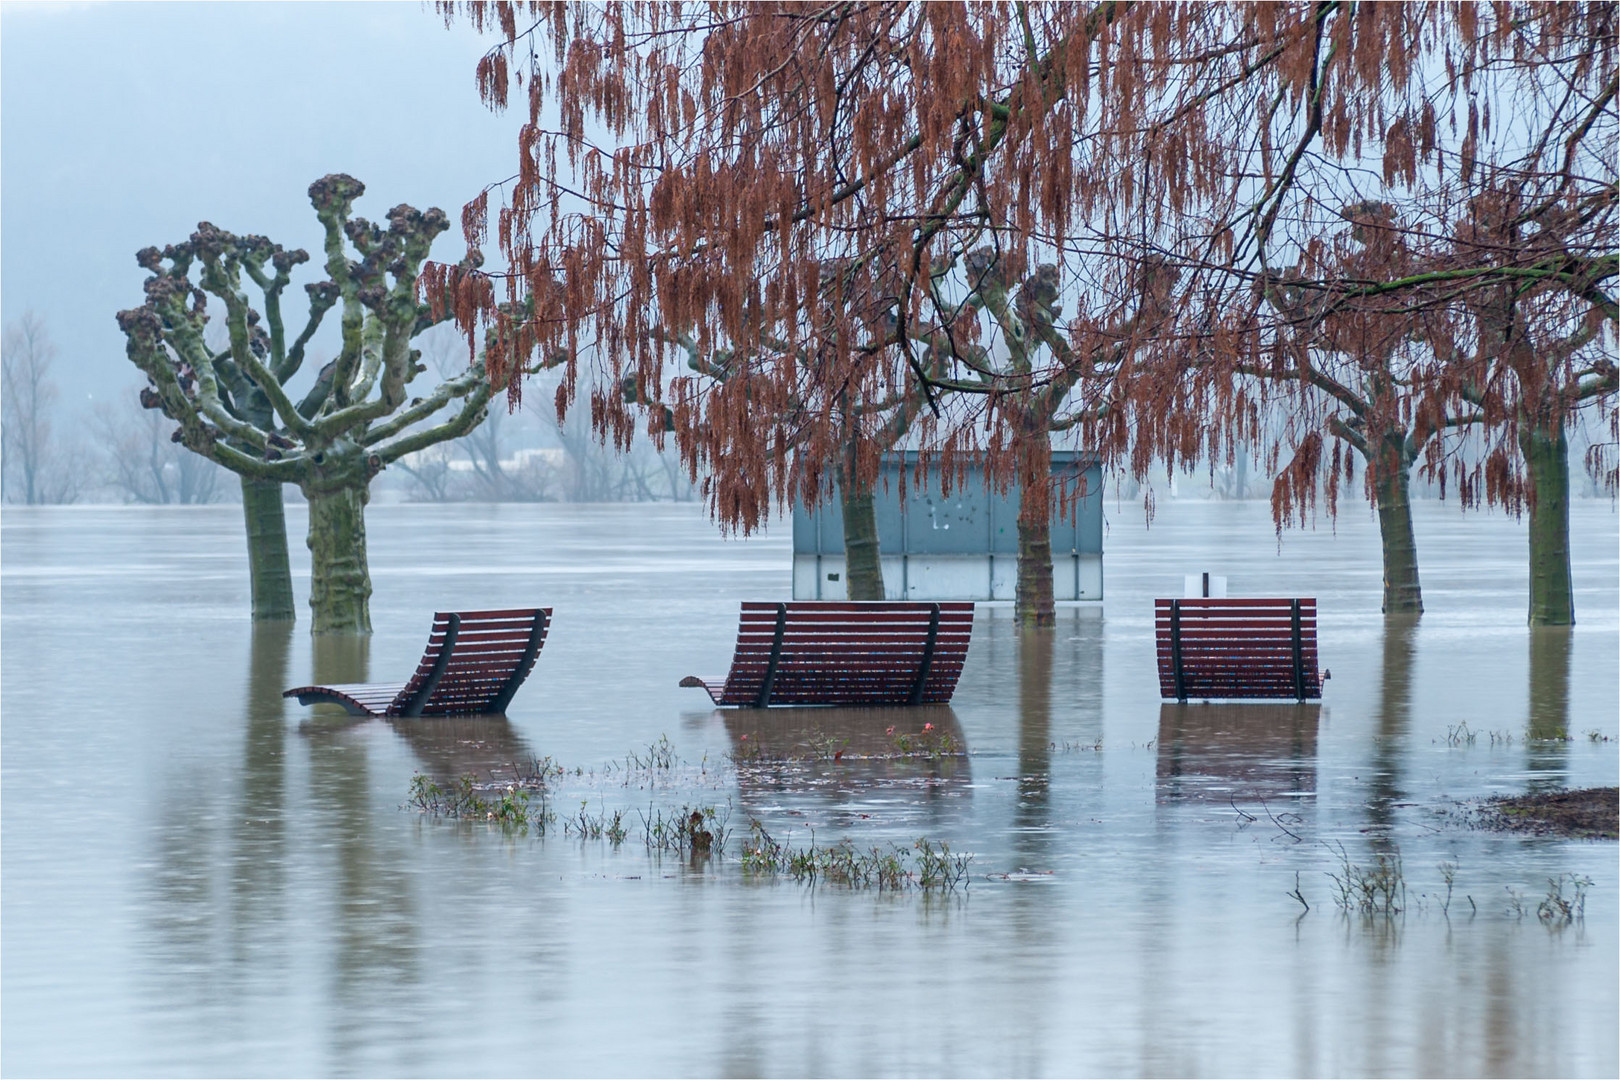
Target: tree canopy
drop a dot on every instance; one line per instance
(801, 187)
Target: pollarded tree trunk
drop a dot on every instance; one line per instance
(340, 579)
(1393, 486)
(1033, 603)
(340, 582)
(268, 569)
(1546, 458)
(863, 564)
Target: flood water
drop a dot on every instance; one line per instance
(202, 879)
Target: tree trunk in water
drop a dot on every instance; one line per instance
(1546, 458)
(1402, 593)
(268, 569)
(1033, 604)
(863, 564)
(340, 580)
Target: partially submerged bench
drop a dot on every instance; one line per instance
(473, 664)
(825, 652)
(1237, 648)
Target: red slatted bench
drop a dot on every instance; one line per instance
(473, 664)
(826, 652)
(1237, 648)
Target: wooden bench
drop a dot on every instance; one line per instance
(473, 664)
(1237, 648)
(819, 652)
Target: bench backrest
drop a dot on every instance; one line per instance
(823, 652)
(490, 654)
(1237, 648)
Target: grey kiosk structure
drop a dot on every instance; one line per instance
(960, 547)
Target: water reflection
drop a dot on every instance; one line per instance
(374, 917)
(1392, 719)
(241, 890)
(1228, 751)
(1548, 730)
(860, 764)
(1035, 649)
(339, 658)
(220, 869)
(483, 747)
(259, 843)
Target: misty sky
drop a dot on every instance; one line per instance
(123, 125)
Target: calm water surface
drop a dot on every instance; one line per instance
(200, 879)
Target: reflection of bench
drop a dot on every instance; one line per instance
(1237, 648)
(474, 663)
(814, 652)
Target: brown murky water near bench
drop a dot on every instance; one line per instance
(199, 878)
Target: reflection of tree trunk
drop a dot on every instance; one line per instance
(342, 658)
(1549, 683)
(374, 929)
(340, 581)
(1034, 604)
(1549, 705)
(1402, 593)
(1394, 711)
(1546, 457)
(1035, 648)
(268, 567)
(261, 823)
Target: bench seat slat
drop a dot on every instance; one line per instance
(490, 654)
(844, 653)
(1236, 648)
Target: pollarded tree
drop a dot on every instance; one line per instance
(236, 406)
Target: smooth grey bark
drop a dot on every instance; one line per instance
(1552, 590)
(863, 564)
(269, 572)
(1034, 604)
(1403, 594)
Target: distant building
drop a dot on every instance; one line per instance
(961, 547)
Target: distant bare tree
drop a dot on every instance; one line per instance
(493, 476)
(37, 467)
(429, 471)
(142, 463)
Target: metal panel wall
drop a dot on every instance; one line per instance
(961, 546)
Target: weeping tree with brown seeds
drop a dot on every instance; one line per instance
(998, 348)
(1468, 308)
(866, 150)
(1375, 368)
(866, 428)
(1491, 241)
(236, 406)
(1543, 351)
(702, 166)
